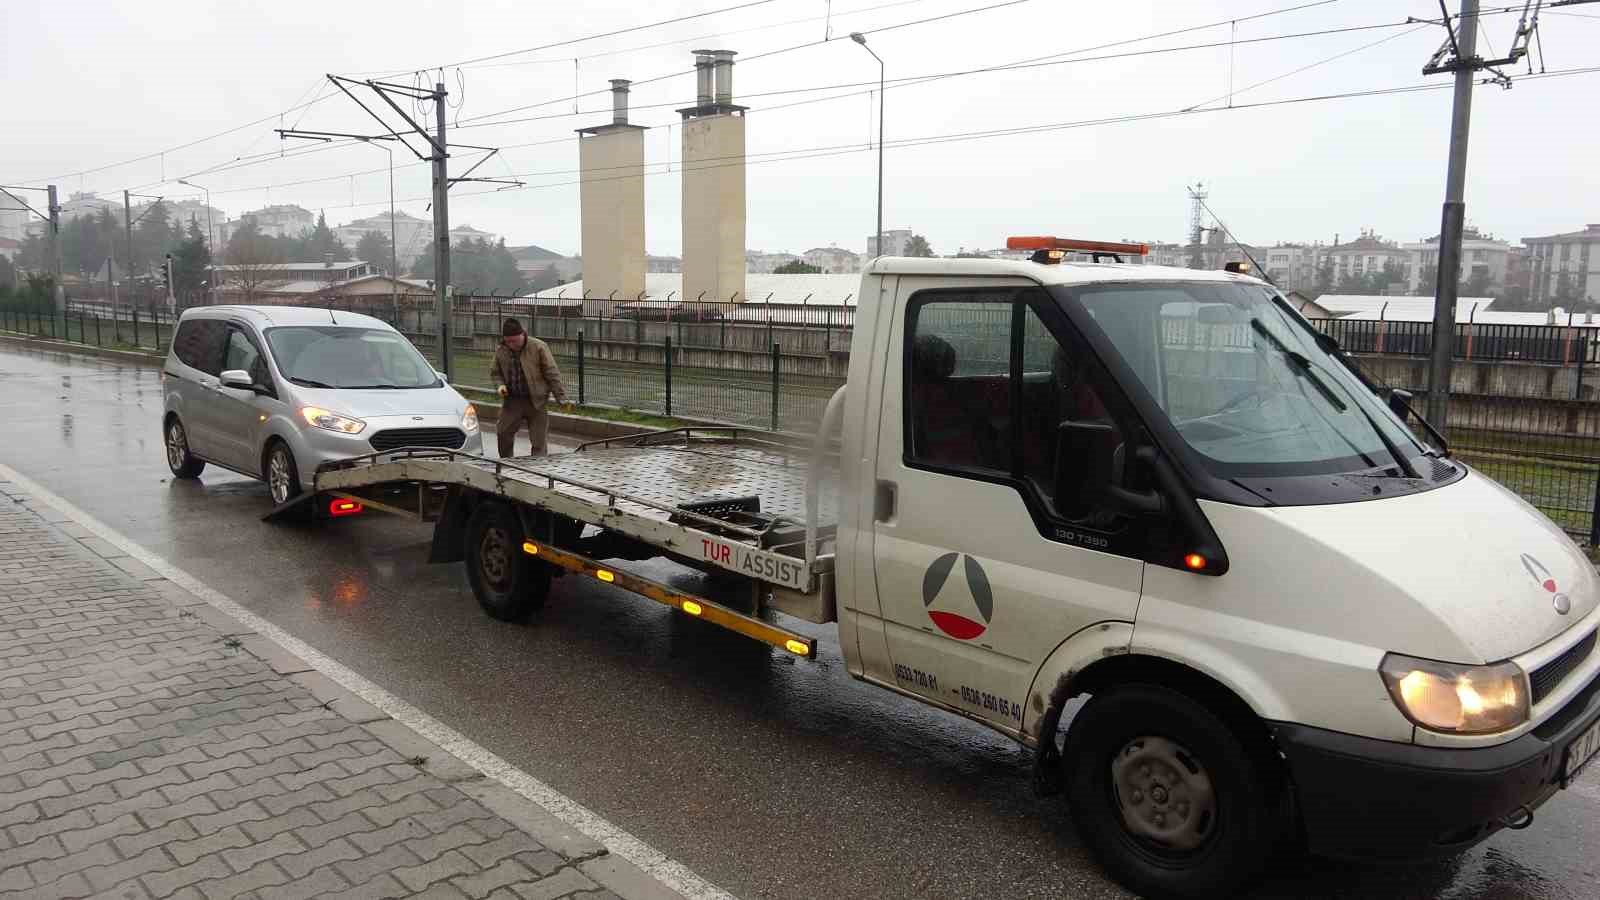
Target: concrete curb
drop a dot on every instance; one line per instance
(476, 778)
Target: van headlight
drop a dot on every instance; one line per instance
(1457, 699)
(469, 419)
(331, 421)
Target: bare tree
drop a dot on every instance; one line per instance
(251, 259)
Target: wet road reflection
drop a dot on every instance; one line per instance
(771, 777)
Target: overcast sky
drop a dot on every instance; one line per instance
(96, 83)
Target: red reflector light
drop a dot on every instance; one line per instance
(1035, 242)
(1195, 561)
(342, 507)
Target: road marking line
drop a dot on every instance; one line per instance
(615, 839)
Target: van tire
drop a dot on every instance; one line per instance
(280, 472)
(1152, 756)
(183, 463)
(509, 584)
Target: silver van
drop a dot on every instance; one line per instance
(273, 392)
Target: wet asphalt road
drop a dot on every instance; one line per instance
(770, 777)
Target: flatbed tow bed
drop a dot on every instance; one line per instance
(719, 500)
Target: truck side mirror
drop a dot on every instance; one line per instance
(1087, 474)
(1399, 402)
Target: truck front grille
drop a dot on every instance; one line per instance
(1544, 679)
(392, 438)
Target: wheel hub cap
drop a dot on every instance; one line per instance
(278, 476)
(1164, 795)
(494, 560)
(175, 445)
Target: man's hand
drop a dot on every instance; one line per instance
(501, 390)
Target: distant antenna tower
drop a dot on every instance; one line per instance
(1197, 199)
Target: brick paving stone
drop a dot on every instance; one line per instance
(142, 758)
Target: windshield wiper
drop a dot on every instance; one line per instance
(1305, 367)
(310, 383)
(373, 387)
(1302, 365)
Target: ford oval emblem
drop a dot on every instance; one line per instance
(1563, 603)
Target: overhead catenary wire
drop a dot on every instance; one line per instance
(985, 134)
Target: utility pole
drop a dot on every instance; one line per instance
(1464, 40)
(441, 232)
(127, 224)
(1459, 55)
(55, 244)
(439, 156)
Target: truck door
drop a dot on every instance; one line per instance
(979, 574)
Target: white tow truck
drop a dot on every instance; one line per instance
(1146, 521)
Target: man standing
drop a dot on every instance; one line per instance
(525, 374)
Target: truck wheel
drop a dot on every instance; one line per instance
(508, 583)
(1168, 797)
(182, 463)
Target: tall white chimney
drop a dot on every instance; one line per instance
(611, 196)
(713, 184)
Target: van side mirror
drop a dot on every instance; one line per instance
(1087, 473)
(442, 378)
(237, 379)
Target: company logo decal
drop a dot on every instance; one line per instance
(955, 624)
(1542, 576)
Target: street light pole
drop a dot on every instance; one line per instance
(394, 249)
(211, 235)
(861, 39)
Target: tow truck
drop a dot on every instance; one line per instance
(1145, 521)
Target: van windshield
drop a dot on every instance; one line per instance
(340, 356)
(1244, 381)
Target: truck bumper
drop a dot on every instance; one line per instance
(1361, 798)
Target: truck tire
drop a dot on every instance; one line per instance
(508, 583)
(1168, 796)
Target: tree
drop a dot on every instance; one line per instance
(323, 243)
(478, 267)
(918, 246)
(191, 262)
(250, 258)
(797, 267)
(374, 249)
(8, 274)
(1325, 275)
(153, 238)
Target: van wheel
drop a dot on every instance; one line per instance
(1168, 797)
(182, 463)
(508, 583)
(283, 476)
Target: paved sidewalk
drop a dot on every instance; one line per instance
(151, 747)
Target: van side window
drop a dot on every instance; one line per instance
(1058, 385)
(242, 353)
(198, 344)
(989, 387)
(960, 380)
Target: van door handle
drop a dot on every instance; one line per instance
(883, 501)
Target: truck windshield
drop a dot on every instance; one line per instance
(1244, 382)
(340, 356)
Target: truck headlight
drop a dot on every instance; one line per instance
(1457, 699)
(469, 419)
(331, 421)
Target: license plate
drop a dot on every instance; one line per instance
(1580, 752)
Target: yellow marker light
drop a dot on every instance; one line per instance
(605, 576)
(261, 418)
(692, 608)
(530, 547)
(797, 648)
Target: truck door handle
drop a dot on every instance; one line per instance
(883, 501)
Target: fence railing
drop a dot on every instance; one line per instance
(1521, 411)
(1562, 344)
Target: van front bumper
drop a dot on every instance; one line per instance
(1361, 798)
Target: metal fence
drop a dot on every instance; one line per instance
(1524, 404)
